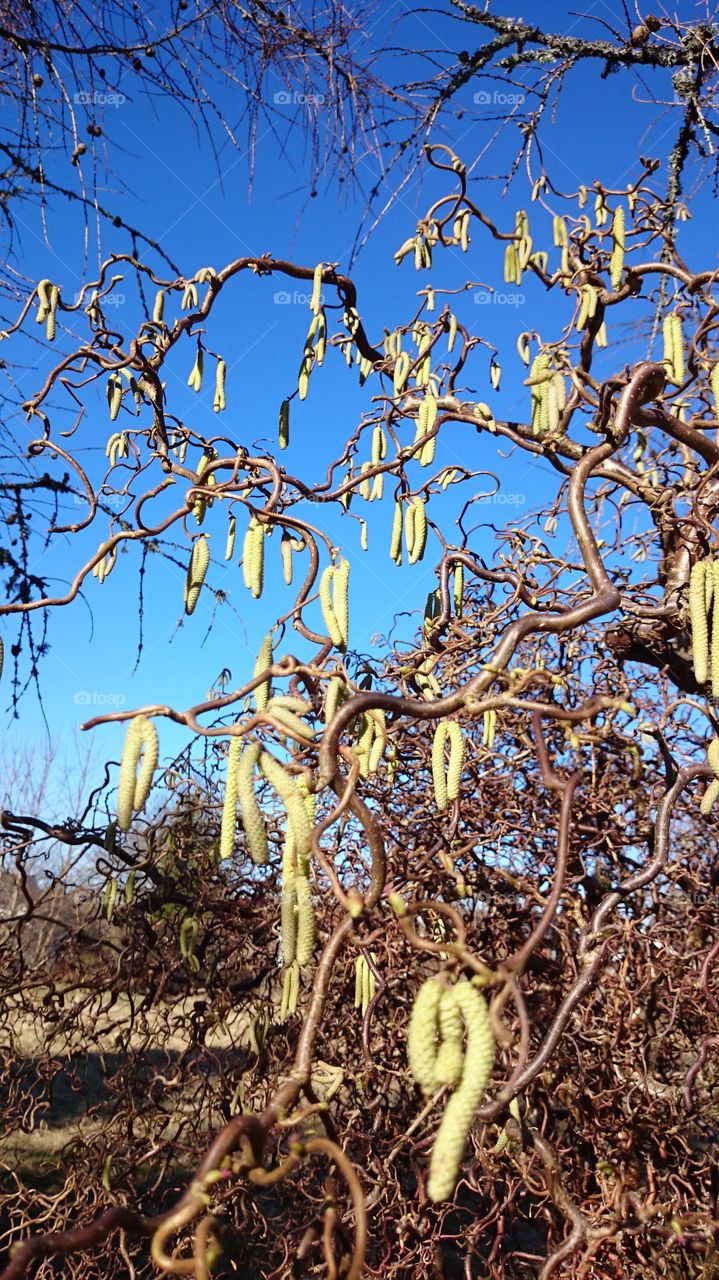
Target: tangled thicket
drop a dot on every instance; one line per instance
(570, 875)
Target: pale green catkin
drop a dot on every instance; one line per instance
(220, 401)
(196, 571)
(439, 775)
(289, 792)
(335, 696)
(700, 627)
(148, 764)
(456, 760)
(286, 553)
(284, 424)
(328, 613)
(450, 1057)
(230, 545)
(395, 550)
(422, 1034)
(616, 262)
(305, 920)
(419, 531)
(229, 808)
(132, 791)
(369, 985)
(288, 917)
(458, 589)
(252, 821)
(341, 599)
(462, 1106)
(712, 574)
(264, 660)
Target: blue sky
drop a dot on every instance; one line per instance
(171, 187)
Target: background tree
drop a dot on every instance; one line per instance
(503, 809)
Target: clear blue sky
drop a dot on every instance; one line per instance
(171, 187)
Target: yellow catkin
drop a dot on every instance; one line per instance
(132, 792)
(195, 378)
(369, 985)
(364, 743)
(264, 660)
(712, 573)
(294, 992)
(283, 710)
(288, 917)
(109, 899)
(230, 545)
(196, 571)
(252, 820)
(678, 371)
(316, 299)
(288, 898)
(229, 808)
(699, 624)
(284, 424)
(43, 300)
(340, 592)
(328, 612)
(462, 1106)
(450, 1057)
(289, 792)
(128, 769)
(305, 920)
(419, 531)
(422, 1034)
(52, 313)
(114, 395)
(439, 775)
(290, 990)
(365, 984)
(286, 553)
(257, 560)
(336, 693)
(220, 401)
(616, 261)
(456, 760)
(458, 589)
(148, 764)
(395, 549)
(188, 941)
(247, 553)
(380, 741)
